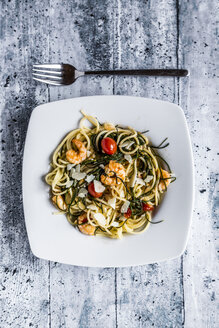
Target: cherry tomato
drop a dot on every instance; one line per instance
(108, 146)
(128, 213)
(85, 220)
(146, 207)
(92, 191)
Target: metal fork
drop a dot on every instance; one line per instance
(65, 74)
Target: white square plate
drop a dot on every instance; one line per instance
(51, 237)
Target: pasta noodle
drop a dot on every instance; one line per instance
(108, 191)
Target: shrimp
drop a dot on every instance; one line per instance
(111, 169)
(77, 157)
(85, 228)
(165, 183)
(59, 202)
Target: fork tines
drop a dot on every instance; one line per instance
(48, 73)
(50, 66)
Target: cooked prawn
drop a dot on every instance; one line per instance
(84, 227)
(75, 157)
(111, 169)
(59, 201)
(165, 183)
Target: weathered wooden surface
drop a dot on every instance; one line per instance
(198, 49)
(110, 34)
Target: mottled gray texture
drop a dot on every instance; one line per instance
(110, 34)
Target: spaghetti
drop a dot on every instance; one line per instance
(107, 179)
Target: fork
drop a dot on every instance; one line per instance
(65, 74)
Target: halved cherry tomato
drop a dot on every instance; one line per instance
(147, 207)
(128, 213)
(85, 220)
(109, 146)
(92, 191)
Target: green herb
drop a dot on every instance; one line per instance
(98, 228)
(117, 157)
(153, 222)
(161, 146)
(163, 160)
(123, 223)
(75, 192)
(136, 206)
(93, 142)
(146, 131)
(172, 179)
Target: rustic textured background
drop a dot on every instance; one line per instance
(110, 34)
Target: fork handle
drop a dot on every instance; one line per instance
(145, 72)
